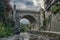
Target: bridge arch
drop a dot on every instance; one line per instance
(32, 21)
(30, 18)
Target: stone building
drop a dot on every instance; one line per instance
(52, 20)
(45, 5)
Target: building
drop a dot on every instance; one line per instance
(53, 23)
(45, 4)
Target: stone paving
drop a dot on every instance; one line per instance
(28, 36)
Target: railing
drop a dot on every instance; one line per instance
(48, 34)
(48, 4)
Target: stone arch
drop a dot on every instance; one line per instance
(32, 21)
(30, 18)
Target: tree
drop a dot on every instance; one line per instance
(55, 7)
(5, 7)
(5, 4)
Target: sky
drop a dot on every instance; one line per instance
(24, 21)
(26, 4)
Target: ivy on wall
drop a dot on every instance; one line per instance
(55, 7)
(46, 21)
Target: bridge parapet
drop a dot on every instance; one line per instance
(27, 11)
(51, 35)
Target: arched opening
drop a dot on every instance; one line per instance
(24, 24)
(30, 20)
(25, 21)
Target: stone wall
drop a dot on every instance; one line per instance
(55, 22)
(30, 36)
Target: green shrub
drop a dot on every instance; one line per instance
(5, 31)
(24, 28)
(55, 7)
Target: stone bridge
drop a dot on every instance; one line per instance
(32, 16)
(35, 17)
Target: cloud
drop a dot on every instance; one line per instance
(39, 3)
(26, 4)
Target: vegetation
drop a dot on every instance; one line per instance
(55, 7)
(4, 10)
(44, 25)
(5, 31)
(24, 28)
(5, 26)
(46, 21)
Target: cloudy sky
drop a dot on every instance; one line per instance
(24, 21)
(26, 4)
